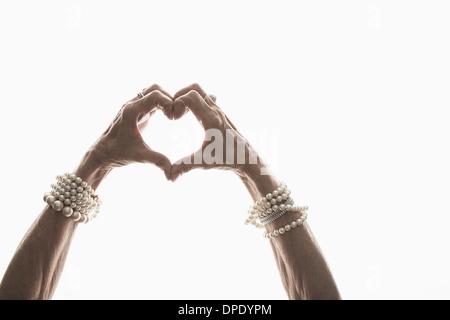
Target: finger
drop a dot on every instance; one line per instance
(149, 89)
(194, 102)
(158, 159)
(150, 102)
(180, 111)
(185, 90)
(186, 164)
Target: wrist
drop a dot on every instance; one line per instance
(259, 180)
(91, 169)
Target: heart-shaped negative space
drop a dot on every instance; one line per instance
(173, 138)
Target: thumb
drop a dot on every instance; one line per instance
(186, 164)
(159, 160)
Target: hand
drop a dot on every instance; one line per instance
(122, 143)
(240, 157)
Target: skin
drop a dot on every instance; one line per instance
(303, 269)
(36, 266)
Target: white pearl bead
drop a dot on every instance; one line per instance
(67, 188)
(288, 207)
(50, 200)
(299, 221)
(284, 196)
(275, 193)
(67, 211)
(280, 190)
(72, 177)
(57, 194)
(287, 227)
(282, 207)
(271, 235)
(78, 201)
(273, 201)
(85, 193)
(268, 205)
(73, 198)
(78, 208)
(73, 191)
(79, 189)
(79, 196)
(275, 233)
(281, 230)
(84, 218)
(78, 180)
(84, 184)
(61, 197)
(76, 215)
(73, 185)
(67, 181)
(279, 198)
(269, 196)
(84, 199)
(83, 210)
(57, 205)
(258, 203)
(275, 208)
(263, 200)
(293, 224)
(67, 202)
(46, 195)
(67, 194)
(269, 211)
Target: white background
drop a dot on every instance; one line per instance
(347, 100)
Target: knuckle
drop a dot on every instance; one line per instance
(194, 95)
(195, 86)
(155, 93)
(154, 86)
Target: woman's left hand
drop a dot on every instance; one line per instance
(122, 143)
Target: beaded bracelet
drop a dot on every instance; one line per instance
(262, 206)
(286, 228)
(269, 208)
(288, 204)
(281, 213)
(74, 198)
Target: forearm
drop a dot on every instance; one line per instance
(303, 269)
(36, 266)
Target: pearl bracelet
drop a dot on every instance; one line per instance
(281, 213)
(280, 231)
(252, 217)
(266, 205)
(269, 208)
(74, 198)
(286, 205)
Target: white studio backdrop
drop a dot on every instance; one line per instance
(347, 100)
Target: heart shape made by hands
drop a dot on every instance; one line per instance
(174, 139)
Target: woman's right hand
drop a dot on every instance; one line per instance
(240, 157)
